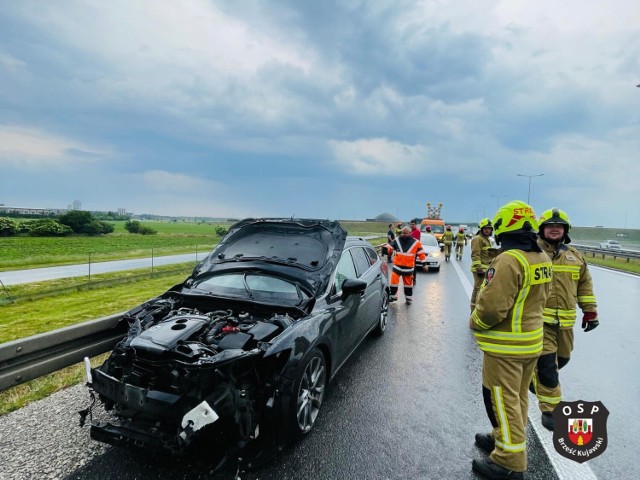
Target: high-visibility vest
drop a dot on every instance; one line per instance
(404, 262)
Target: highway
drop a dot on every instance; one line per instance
(16, 277)
(404, 406)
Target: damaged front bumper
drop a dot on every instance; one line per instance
(146, 405)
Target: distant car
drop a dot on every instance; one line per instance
(432, 250)
(611, 245)
(239, 355)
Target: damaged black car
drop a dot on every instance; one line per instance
(239, 355)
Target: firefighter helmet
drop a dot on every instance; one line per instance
(428, 229)
(515, 217)
(448, 227)
(461, 229)
(485, 222)
(555, 215)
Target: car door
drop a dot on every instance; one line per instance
(369, 309)
(346, 310)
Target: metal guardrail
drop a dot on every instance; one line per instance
(626, 254)
(32, 357)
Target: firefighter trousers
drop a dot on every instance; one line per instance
(478, 278)
(459, 249)
(447, 249)
(505, 390)
(407, 281)
(556, 352)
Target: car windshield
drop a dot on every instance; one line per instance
(254, 286)
(429, 241)
(613, 242)
(434, 228)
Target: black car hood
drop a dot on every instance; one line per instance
(304, 250)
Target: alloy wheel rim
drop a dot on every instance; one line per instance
(311, 394)
(384, 309)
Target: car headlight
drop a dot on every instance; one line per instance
(435, 254)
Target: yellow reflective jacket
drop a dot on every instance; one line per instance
(447, 237)
(481, 252)
(508, 316)
(571, 285)
(461, 238)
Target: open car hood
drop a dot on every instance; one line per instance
(303, 250)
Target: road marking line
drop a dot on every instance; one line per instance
(565, 469)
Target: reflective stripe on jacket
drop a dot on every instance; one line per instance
(447, 237)
(507, 318)
(461, 238)
(404, 259)
(571, 285)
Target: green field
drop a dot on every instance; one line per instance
(179, 237)
(29, 252)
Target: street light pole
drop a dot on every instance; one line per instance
(498, 197)
(530, 177)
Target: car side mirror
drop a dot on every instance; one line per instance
(351, 286)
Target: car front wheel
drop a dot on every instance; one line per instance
(309, 388)
(383, 316)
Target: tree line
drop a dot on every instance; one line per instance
(73, 222)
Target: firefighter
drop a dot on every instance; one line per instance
(461, 241)
(507, 324)
(481, 255)
(571, 285)
(398, 229)
(447, 238)
(405, 248)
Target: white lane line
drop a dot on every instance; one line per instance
(565, 469)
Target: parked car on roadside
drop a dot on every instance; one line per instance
(611, 245)
(239, 355)
(431, 248)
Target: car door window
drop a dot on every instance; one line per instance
(373, 256)
(345, 269)
(362, 260)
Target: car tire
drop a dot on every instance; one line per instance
(308, 393)
(383, 317)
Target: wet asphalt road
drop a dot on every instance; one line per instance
(408, 404)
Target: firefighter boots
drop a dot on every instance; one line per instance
(547, 420)
(493, 471)
(485, 442)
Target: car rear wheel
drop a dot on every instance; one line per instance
(309, 390)
(383, 317)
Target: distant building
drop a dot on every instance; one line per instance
(31, 211)
(122, 212)
(76, 205)
(384, 217)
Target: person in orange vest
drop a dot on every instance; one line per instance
(405, 249)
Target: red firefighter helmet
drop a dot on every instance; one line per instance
(448, 227)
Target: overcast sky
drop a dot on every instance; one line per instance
(342, 109)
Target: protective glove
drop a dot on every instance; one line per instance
(590, 321)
